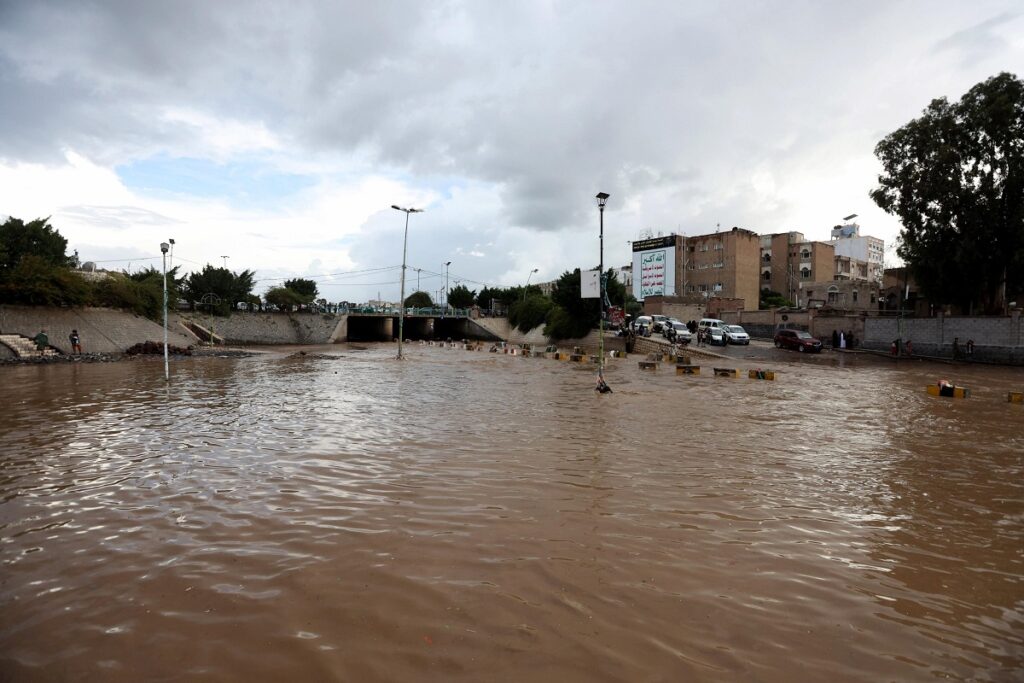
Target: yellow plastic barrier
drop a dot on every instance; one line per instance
(948, 391)
(761, 374)
(1015, 397)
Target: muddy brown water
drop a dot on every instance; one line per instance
(470, 516)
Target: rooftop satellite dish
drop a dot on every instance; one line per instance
(89, 267)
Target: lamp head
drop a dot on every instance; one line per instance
(171, 241)
(535, 270)
(164, 247)
(447, 263)
(602, 198)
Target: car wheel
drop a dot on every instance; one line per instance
(800, 348)
(778, 344)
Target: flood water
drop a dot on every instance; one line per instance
(480, 517)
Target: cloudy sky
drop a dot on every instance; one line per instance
(279, 134)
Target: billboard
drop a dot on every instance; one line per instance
(654, 267)
(590, 284)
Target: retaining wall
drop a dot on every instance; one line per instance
(272, 328)
(102, 330)
(996, 339)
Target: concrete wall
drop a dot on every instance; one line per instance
(102, 330)
(996, 339)
(270, 328)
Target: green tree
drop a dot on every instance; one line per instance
(306, 289)
(36, 281)
(37, 238)
(418, 300)
(570, 317)
(489, 296)
(528, 314)
(955, 179)
(461, 296)
(285, 298)
(770, 299)
(230, 287)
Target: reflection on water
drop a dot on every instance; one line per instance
(479, 517)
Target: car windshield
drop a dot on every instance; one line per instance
(804, 335)
(679, 326)
(736, 328)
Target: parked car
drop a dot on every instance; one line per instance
(710, 322)
(677, 332)
(658, 324)
(643, 320)
(734, 334)
(714, 336)
(797, 339)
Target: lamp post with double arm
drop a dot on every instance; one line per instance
(401, 303)
(602, 199)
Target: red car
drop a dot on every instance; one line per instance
(797, 339)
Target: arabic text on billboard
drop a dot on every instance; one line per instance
(652, 273)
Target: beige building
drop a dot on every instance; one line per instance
(848, 295)
(787, 260)
(722, 265)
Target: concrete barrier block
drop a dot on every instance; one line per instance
(648, 365)
(761, 374)
(948, 391)
(727, 372)
(1015, 397)
(577, 358)
(687, 369)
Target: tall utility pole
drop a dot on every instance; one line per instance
(401, 302)
(225, 261)
(448, 263)
(167, 368)
(602, 198)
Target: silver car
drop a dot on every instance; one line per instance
(734, 334)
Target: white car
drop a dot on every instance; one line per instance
(734, 334)
(677, 331)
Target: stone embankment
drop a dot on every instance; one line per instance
(267, 328)
(102, 330)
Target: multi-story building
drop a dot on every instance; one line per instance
(719, 264)
(787, 259)
(862, 256)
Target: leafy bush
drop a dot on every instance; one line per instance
(563, 325)
(418, 300)
(35, 281)
(526, 315)
(144, 297)
(283, 297)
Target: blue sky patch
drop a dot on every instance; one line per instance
(241, 183)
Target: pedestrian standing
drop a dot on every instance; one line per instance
(835, 339)
(842, 341)
(76, 342)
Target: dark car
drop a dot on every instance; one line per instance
(797, 339)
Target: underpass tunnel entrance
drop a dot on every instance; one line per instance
(371, 328)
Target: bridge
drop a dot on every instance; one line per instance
(368, 324)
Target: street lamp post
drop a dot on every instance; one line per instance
(447, 263)
(401, 303)
(528, 283)
(164, 247)
(602, 198)
(225, 261)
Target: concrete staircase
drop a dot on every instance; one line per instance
(24, 347)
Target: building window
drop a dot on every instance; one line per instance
(805, 273)
(767, 258)
(766, 275)
(855, 296)
(718, 286)
(833, 295)
(805, 254)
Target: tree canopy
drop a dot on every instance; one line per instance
(229, 287)
(461, 296)
(955, 179)
(418, 300)
(36, 238)
(306, 289)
